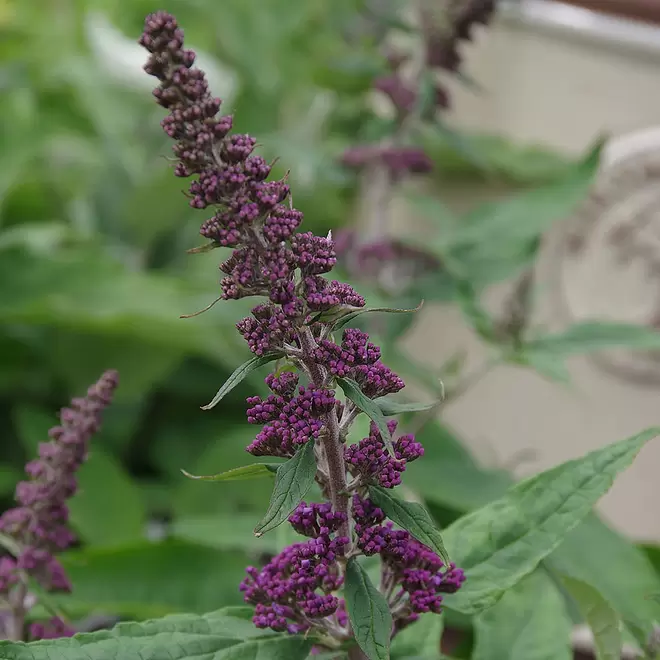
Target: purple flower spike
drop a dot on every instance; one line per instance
(39, 524)
(298, 591)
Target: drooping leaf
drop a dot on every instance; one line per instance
(353, 392)
(183, 636)
(389, 406)
(368, 611)
(240, 374)
(294, 478)
(421, 640)
(151, 579)
(347, 318)
(108, 508)
(254, 471)
(600, 616)
(530, 622)
(413, 517)
(503, 541)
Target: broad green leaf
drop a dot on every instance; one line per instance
(413, 517)
(240, 374)
(231, 532)
(9, 477)
(389, 406)
(368, 611)
(353, 392)
(108, 508)
(184, 637)
(530, 622)
(421, 639)
(32, 425)
(502, 542)
(294, 478)
(589, 552)
(78, 358)
(519, 219)
(600, 616)
(347, 318)
(254, 471)
(149, 579)
(594, 336)
(97, 295)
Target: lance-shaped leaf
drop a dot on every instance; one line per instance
(529, 623)
(294, 478)
(413, 517)
(505, 540)
(369, 406)
(368, 611)
(389, 406)
(253, 471)
(186, 637)
(240, 374)
(599, 615)
(347, 318)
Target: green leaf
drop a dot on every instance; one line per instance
(9, 477)
(502, 542)
(353, 392)
(184, 636)
(413, 517)
(225, 446)
(108, 508)
(389, 406)
(294, 478)
(422, 639)
(240, 374)
(151, 579)
(602, 619)
(32, 425)
(479, 320)
(530, 622)
(368, 611)
(230, 532)
(347, 318)
(594, 336)
(254, 471)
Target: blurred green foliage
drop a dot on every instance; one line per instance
(94, 274)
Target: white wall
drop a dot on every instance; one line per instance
(561, 88)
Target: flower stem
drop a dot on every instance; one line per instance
(334, 450)
(355, 653)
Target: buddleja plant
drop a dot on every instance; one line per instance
(319, 596)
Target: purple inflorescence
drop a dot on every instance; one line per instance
(370, 460)
(289, 421)
(295, 589)
(38, 525)
(414, 575)
(254, 217)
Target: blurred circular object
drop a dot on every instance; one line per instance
(608, 266)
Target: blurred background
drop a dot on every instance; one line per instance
(533, 235)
